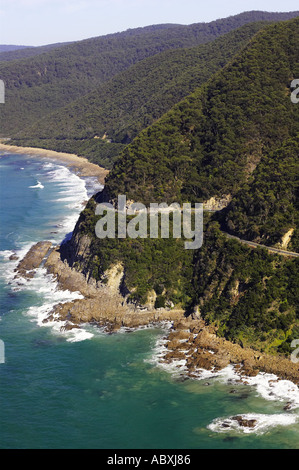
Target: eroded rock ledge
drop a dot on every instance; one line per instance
(33, 259)
(102, 303)
(190, 339)
(199, 345)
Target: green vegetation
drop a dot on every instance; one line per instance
(134, 99)
(162, 265)
(8, 49)
(251, 295)
(96, 150)
(37, 85)
(266, 207)
(212, 141)
(235, 135)
(238, 135)
(9, 53)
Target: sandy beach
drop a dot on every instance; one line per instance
(78, 164)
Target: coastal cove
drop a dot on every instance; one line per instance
(67, 382)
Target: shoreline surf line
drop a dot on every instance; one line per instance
(79, 164)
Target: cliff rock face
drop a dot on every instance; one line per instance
(114, 277)
(217, 203)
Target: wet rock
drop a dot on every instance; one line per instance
(225, 425)
(245, 423)
(68, 326)
(174, 356)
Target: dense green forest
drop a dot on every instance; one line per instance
(251, 296)
(237, 134)
(134, 99)
(150, 264)
(267, 206)
(38, 85)
(210, 143)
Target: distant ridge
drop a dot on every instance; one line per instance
(10, 47)
(24, 52)
(36, 86)
(115, 112)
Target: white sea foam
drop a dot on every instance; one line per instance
(267, 386)
(8, 265)
(5, 254)
(174, 367)
(38, 185)
(73, 193)
(178, 367)
(48, 293)
(271, 388)
(46, 286)
(263, 423)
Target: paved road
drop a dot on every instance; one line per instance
(269, 248)
(278, 251)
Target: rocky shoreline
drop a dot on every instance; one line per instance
(101, 304)
(200, 346)
(189, 339)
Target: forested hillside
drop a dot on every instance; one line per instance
(237, 135)
(120, 108)
(210, 143)
(38, 85)
(266, 209)
(23, 52)
(234, 138)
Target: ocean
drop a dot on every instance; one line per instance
(86, 389)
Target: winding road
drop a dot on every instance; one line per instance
(278, 251)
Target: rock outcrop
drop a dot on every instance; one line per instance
(217, 203)
(33, 259)
(190, 339)
(199, 345)
(102, 304)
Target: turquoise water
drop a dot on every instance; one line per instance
(87, 389)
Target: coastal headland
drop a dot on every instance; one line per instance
(188, 339)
